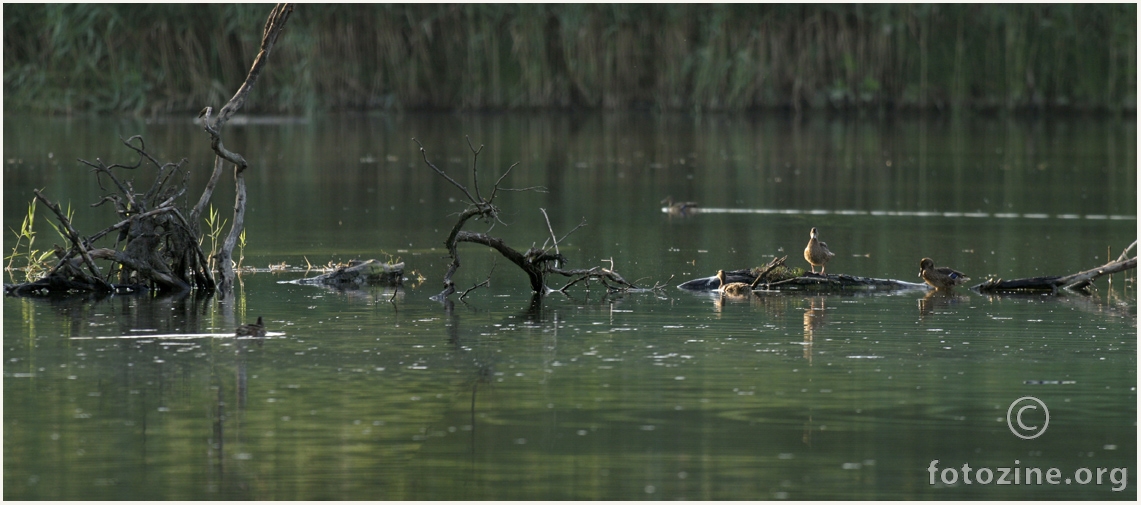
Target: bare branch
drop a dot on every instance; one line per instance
(424, 153)
(124, 223)
(555, 239)
(273, 26)
(208, 191)
(486, 282)
(495, 188)
(1125, 253)
(474, 173)
(535, 262)
(580, 225)
(75, 240)
(102, 169)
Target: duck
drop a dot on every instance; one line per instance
(816, 252)
(251, 329)
(679, 208)
(940, 277)
(733, 288)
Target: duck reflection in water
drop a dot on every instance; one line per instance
(814, 318)
(938, 299)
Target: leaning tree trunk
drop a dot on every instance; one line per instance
(213, 125)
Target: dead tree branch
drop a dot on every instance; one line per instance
(1125, 254)
(213, 126)
(159, 250)
(95, 278)
(1078, 282)
(536, 262)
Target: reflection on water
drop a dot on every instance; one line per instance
(386, 394)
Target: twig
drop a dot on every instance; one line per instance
(124, 223)
(474, 173)
(424, 153)
(555, 239)
(486, 282)
(75, 240)
(1125, 253)
(768, 268)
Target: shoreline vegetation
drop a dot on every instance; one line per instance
(154, 59)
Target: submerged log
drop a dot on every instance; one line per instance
(775, 276)
(843, 282)
(360, 273)
(805, 282)
(1079, 282)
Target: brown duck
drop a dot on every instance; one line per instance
(679, 208)
(251, 329)
(816, 252)
(733, 288)
(940, 277)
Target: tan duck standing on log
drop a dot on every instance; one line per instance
(251, 329)
(816, 252)
(940, 277)
(733, 288)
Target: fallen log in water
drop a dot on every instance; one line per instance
(808, 282)
(843, 282)
(775, 276)
(360, 273)
(1079, 282)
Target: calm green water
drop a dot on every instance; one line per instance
(666, 395)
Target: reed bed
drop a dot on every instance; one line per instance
(155, 59)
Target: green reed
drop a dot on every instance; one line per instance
(151, 59)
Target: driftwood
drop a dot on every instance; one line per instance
(775, 276)
(807, 282)
(359, 274)
(160, 244)
(843, 282)
(70, 278)
(1078, 282)
(771, 277)
(213, 126)
(536, 262)
(159, 251)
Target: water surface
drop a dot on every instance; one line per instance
(663, 395)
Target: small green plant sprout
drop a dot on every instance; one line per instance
(35, 262)
(214, 225)
(241, 249)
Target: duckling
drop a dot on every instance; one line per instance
(733, 288)
(251, 330)
(940, 277)
(816, 252)
(679, 208)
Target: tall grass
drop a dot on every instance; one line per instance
(152, 59)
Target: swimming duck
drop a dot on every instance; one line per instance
(733, 288)
(679, 208)
(940, 277)
(816, 252)
(251, 330)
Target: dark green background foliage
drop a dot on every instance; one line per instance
(162, 58)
